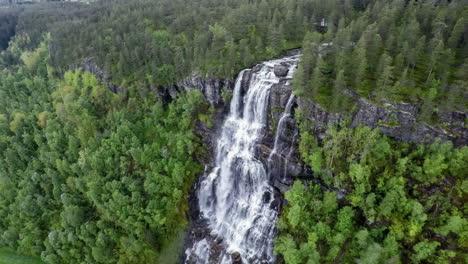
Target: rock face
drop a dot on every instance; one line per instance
(210, 87)
(395, 120)
(89, 65)
(321, 118)
(281, 70)
(284, 163)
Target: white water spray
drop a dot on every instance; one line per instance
(235, 196)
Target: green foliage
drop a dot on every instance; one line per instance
(9, 257)
(406, 51)
(89, 176)
(226, 95)
(378, 201)
(160, 42)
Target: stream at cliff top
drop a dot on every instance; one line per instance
(236, 197)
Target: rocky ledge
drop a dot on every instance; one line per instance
(395, 120)
(90, 65)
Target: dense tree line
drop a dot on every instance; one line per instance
(153, 43)
(89, 176)
(411, 51)
(375, 200)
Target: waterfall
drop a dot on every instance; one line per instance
(290, 152)
(281, 126)
(236, 197)
(279, 144)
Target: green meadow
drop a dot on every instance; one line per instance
(10, 257)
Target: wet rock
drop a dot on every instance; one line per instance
(216, 249)
(279, 95)
(236, 258)
(209, 134)
(257, 68)
(280, 185)
(277, 201)
(280, 70)
(266, 197)
(263, 150)
(191, 260)
(246, 81)
(294, 169)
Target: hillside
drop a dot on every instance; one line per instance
(234, 131)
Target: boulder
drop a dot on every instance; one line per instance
(257, 68)
(236, 258)
(280, 70)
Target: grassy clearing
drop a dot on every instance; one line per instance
(10, 257)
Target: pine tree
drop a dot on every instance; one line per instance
(458, 34)
(305, 69)
(339, 92)
(359, 68)
(436, 56)
(318, 79)
(428, 104)
(384, 74)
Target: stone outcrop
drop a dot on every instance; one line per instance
(285, 165)
(395, 120)
(281, 70)
(321, 118)
(210, 87)
(90, 65)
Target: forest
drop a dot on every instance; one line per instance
(60, 200)
(375, 200)
(94, 175)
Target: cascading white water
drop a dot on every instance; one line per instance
(279, 145)
(236, 196)
(284, 116)
(290, 152)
